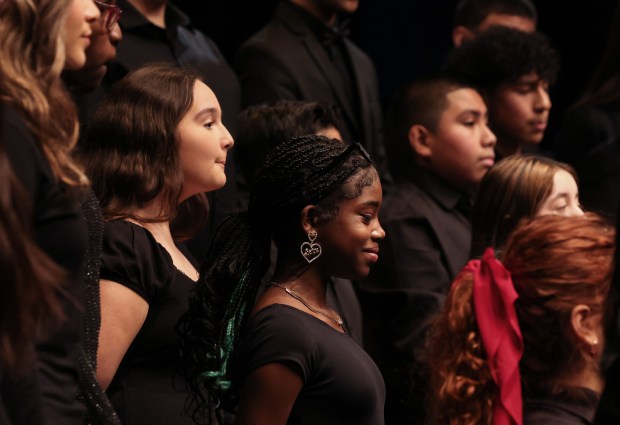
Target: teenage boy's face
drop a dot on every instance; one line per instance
(519, 112)
(461, 149)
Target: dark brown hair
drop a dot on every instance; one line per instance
(131, 153)
(420, 102)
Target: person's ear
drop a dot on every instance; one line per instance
(420, 140)
(309, 218)
(461, 34)
(587, 328)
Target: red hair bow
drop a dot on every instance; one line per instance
(494, 297)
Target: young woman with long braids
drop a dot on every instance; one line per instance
(287, 358)
(38, 39)
(520, 342)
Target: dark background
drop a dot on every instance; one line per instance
(409, 38)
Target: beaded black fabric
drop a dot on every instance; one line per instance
(99, 408)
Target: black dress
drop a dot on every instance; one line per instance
(341, 383)
(60, 231)
(146, 389)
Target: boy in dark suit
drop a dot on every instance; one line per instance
(304, 54)
(439, 147)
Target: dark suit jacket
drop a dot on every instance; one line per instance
(285, 60)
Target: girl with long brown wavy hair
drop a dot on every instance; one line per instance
(38, 39)
(520, 342)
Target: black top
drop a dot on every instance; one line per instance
(181, 43)
(341, 383)
(427, 243)
(60, 232)
(145, 388)
(577, 409)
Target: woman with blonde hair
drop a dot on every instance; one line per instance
(520, 341)
(38, 39)
(520, 187)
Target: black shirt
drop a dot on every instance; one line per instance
(60, 231)
(341, 383)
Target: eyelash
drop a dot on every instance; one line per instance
(367, 218)
(209, 124)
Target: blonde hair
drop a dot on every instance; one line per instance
(32, 54)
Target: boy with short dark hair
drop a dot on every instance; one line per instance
(513, 71)
(439, 147)
(472, 17)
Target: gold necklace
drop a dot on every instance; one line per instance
(298, 297)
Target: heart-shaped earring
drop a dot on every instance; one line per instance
(311, 250)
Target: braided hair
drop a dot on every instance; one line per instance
(302, 171)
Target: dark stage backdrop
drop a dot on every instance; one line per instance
(409, 38)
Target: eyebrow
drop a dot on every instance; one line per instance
(372, 204)
(206, 111)
(564, 195)
(477, 113)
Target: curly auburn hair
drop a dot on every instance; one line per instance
(556, 263)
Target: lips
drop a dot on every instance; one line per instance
(372, 254)
(488, 161)
(539, 125)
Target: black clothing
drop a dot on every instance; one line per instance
(427, 243)
(341, 383)
(61, 233)
(100, 410)
(590, 142)
(428, 235)
(288, 60)
(561, 410)
(145, 388)
(181, 43)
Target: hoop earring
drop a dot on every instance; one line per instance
(311, 250)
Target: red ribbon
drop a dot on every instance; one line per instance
(494, 297)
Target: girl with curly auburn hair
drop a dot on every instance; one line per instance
(521, 342)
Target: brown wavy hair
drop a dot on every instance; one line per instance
(30, 279)
(514, 189)
(556, 263)
(32, 55)
(131, 151)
